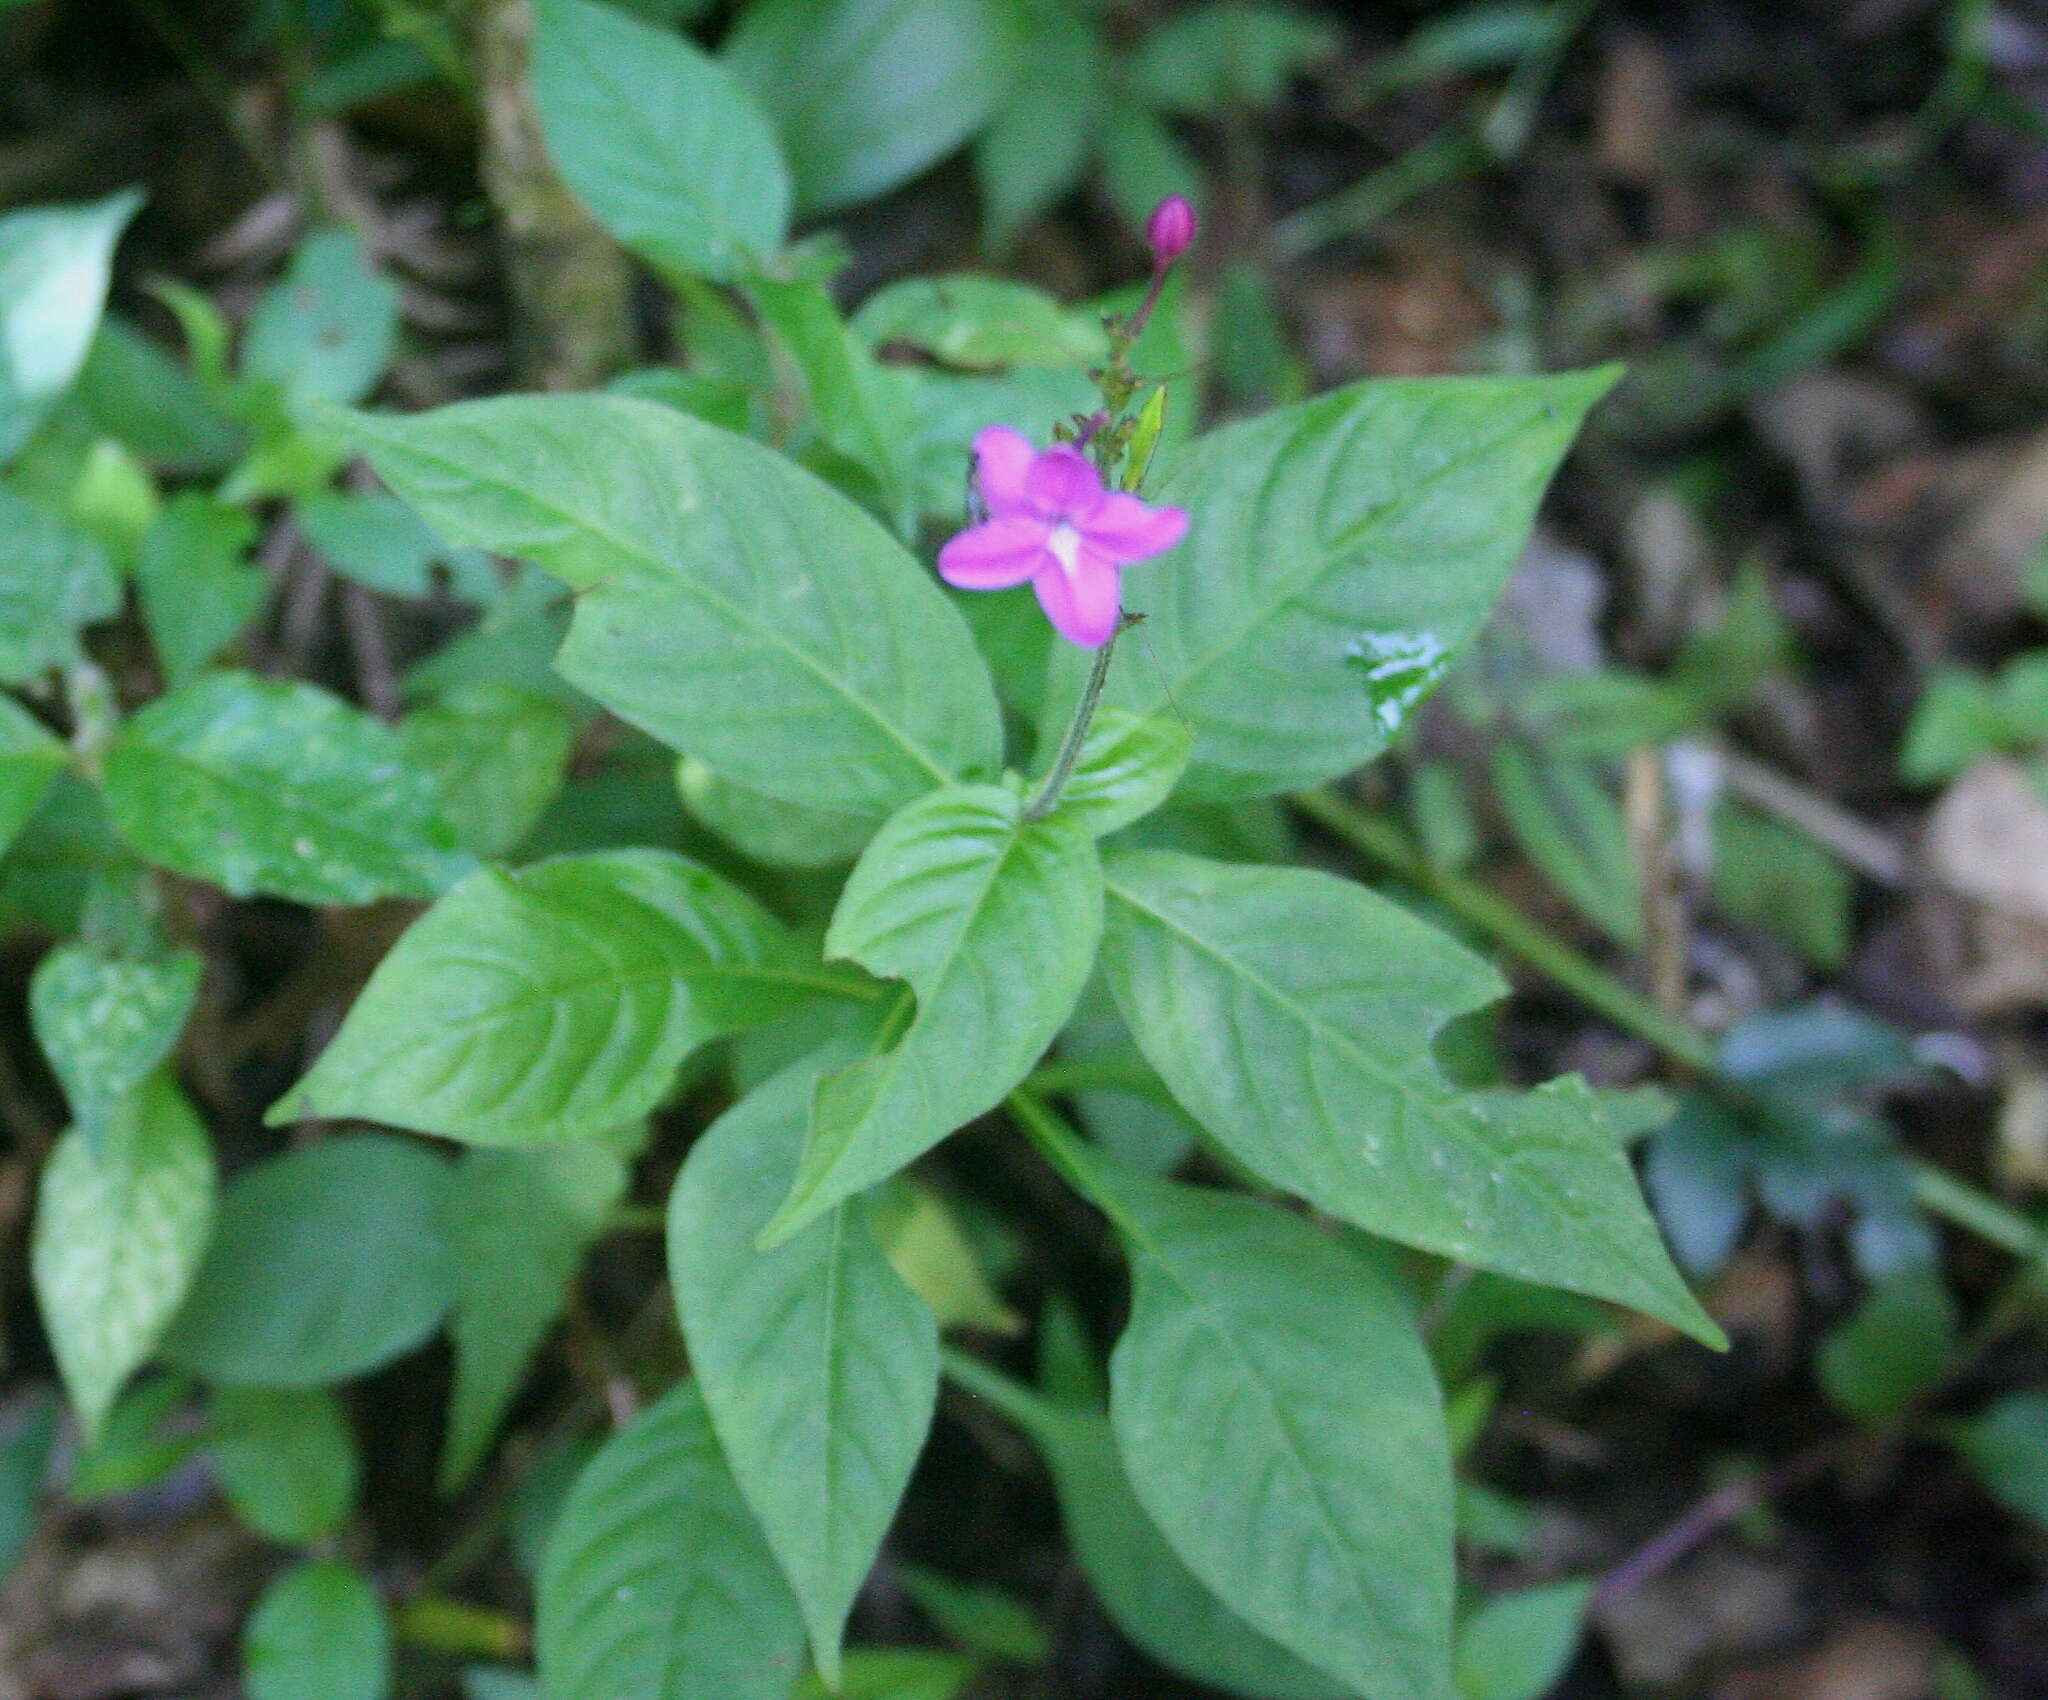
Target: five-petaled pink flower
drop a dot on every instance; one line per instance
(1051, 522)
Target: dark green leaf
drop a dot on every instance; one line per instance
(1517, 1646)
(2007, 1446)
(1893, 1350)
(286, 1460)
(30, 758)
(318, 1633)
(325, 1263)
(199, 591)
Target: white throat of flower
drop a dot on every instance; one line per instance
(1065, 544)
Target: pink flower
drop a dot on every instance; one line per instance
(1169, 231)
(1052, 523)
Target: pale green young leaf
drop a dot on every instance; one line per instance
(318, 1633)
(273, 787)
(563, 995)
(1516, 1646)
(993, 922)
(731, 605)
(1147, 1591)
(1340, 553)
(120, 1231)
(326, 330)
(926, 1244)
(325, 1263)
(54, 582)
(497, 756)
(1127, 768)
(867, 93)
(1292, 1013)
(767, 829)
(1282, 1425)
(30, 758)
(657, 1582)
(978, 322)
(520, 1222)
(286, 1460)
(199, 590)
(820, 1367)
(658, 141)
(105, 1022)
(894, 1673)
(55, 263)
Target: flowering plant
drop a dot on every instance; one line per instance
(958, 858)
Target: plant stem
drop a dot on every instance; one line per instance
(1383, 843)
(1077, 731)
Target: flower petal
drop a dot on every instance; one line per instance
(1083, 605)
(1002, 457)
(1126, 529)
(1062, 482)
(996, 554)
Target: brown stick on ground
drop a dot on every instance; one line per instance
(570, 283)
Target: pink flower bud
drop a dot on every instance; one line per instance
(1169, 230)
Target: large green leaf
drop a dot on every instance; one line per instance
(521, 1222)
(105, 1023)
(1282, 1425)
(562, 997)
(993, 922)
(659, 141)
(54, 266)
(657, 1583)
(30, 758)
(730, 604)
(326, 1262)
(819, 1365)
(54, 581)
(867, 93)
(274, 787)
(1147, 1591)
(497, 756)
(1293, 1014)
(120, 1231)
(318, 1633)
(286, 1460)
(1339, 554)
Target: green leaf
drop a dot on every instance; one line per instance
(54, 581)
(497, 756)
(1282, 1425)
(2007, 1445)
(1893, 1350)
(326, 1262)
(380, 543)
(767, 829)
(30, 758)
(1517, 1646)
(1035, 148)
(327, 329)
(731, 605)
(564, 995)
(977, 322)
(867, 93)
(1773, 876)
(1228, 54)
(286, 1460)
(657, 1583)
(1128, 766)
(119, 1235)
(105, 1023)
(318, 1633)
(1339, 554)
(820, 1367)
(659, 141)
(894, 1673)
(1292, 1014)
(1568, 825)
(926, 1244)
(520, 1222)
(54, 266)
(1145, 1588)
(199, 591)
(994, 923)
(137, 394)
(985, 1620)
(272, 787)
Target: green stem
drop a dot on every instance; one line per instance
(1077, 732)
(1384, 844)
